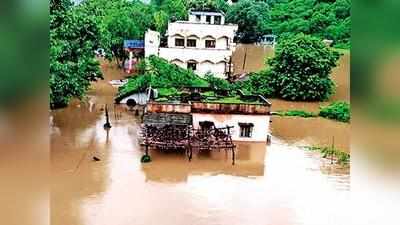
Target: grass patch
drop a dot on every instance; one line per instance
(230, 100)
(299, 113)
(339, 156)
(167, 92)
(339, 111)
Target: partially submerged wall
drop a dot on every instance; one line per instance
(226, 108)
(260, 129)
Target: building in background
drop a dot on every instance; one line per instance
(135, 50)
(204, 43)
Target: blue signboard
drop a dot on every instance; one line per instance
(133, 44)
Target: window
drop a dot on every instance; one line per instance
(210, 43)
(198, 18)
(191, 42)
(179, 42)
(217, 20)
(192, 65)
(246, 129)
(208, 19)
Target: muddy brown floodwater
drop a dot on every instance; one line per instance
(278, 184)
(311, 131)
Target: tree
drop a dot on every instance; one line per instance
(301, 69)
(73, 39)
(160, 21)
(328, 19)
(176, 9)
(252, 18)
(119, 20)
(208, 5)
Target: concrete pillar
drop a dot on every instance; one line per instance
(130, 62)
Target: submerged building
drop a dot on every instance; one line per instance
(248, 118)
(204, 43)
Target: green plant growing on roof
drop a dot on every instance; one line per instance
(159, 73)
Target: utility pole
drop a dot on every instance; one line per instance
(107, 125)
(229, 73)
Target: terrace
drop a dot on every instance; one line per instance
(209, 102)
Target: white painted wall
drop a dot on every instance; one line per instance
(140, 98)
(208, 59)
(180, 55)
(202, 31)
(260, 129)
(151, 43)
(203, 15)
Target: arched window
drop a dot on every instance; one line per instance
(179, 40)
(209, 41)
(192, 65)
(192, 41)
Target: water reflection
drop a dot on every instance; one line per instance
(175, 167)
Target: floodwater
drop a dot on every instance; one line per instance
(278, 184)
(305, 131)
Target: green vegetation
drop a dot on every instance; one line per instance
(73, 37)
(208, 5)
(301, 69)
(231, 100)
(217, 83)
(165, 92)
(299, 113)
(252, 18)
(326, 19)
(256, 84)
(337, 111)
(170, 80)
(159, 73)
(332, 153)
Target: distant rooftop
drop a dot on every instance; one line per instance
(206, 12)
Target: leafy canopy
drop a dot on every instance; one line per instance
(301, 69)
(327, 19)
(337, 111)
(252, 18)
(159, 73)
(73, 38)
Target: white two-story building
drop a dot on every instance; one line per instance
(204, 43)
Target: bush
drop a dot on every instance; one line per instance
(301, 69)
(337, 111)
(217, 83)
(166, 92)
(159, 73)
(256, 84)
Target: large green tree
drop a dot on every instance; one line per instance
(119, 20)
(328, 19)
(73, 38)
(301, 69)
(252, 18)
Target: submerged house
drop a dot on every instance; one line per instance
(204, 43)
(247, 116)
